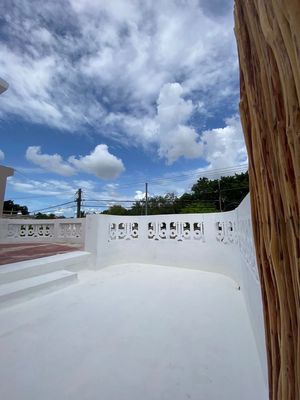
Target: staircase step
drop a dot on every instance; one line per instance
(74, 260)
(30, 286)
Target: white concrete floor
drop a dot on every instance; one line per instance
(132, 332)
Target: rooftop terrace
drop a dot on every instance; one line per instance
(132, 332)
(157, 307)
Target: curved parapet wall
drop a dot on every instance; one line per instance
(250, 282)
(216, 242)
(220, 243)
(200, 241)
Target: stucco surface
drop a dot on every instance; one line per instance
(132, 332)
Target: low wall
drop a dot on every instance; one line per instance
(219, 242)
(43, 230)
(250, 286)
(199, 241)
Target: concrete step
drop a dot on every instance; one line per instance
(73, 261)
(31, 286)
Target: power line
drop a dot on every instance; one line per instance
(186, 175)
(94, 206)
(158, 181)
(50, 207)
(21, 173)
(112, 200)
(235, 188)
(164, 180)
(39, 197)
(143, 200)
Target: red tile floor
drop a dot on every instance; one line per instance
(10, 253)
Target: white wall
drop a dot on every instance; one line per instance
(220, 243)
(203, 245)
(49, 230)
(4, 173)
(250, 285)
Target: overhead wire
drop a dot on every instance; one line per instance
(51, 207)
(186, 175)
(156, 181)
(137, 200)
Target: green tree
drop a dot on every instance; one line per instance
(204, 197)
(9, 207)
(230, 190)
(162, 204)
(116, 210)
(233, 190)
(40, 215)
(198, 208)
(167, 204)
(138, 208)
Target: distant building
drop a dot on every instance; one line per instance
(4, 173)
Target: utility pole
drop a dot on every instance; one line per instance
(146, 198)
(220, 199)
(78, 201)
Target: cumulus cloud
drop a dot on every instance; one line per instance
(176, 138)
(168, 129)
(171, 132)
(139, 195)
(99, 162)
(225, 147)
(2, 156)
(81, 65)
(52, 163)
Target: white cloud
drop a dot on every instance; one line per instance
(43, 187)
(168, 129)
(225, 147)
(171, 132)
(42, 193)
(52, 163)
(176, 138)
(139, 195)
(79, 64)
(99, 162)
(2, 155)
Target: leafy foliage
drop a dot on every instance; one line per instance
(9, 207)
(116, 210)
(229, 191)
(206, 196)
(44, 216)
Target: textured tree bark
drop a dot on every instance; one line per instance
(268, 38)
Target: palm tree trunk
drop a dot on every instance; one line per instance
(268, 39)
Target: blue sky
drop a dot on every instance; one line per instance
(108, 95)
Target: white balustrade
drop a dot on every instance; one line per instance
(182, 240)
(27, 230)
